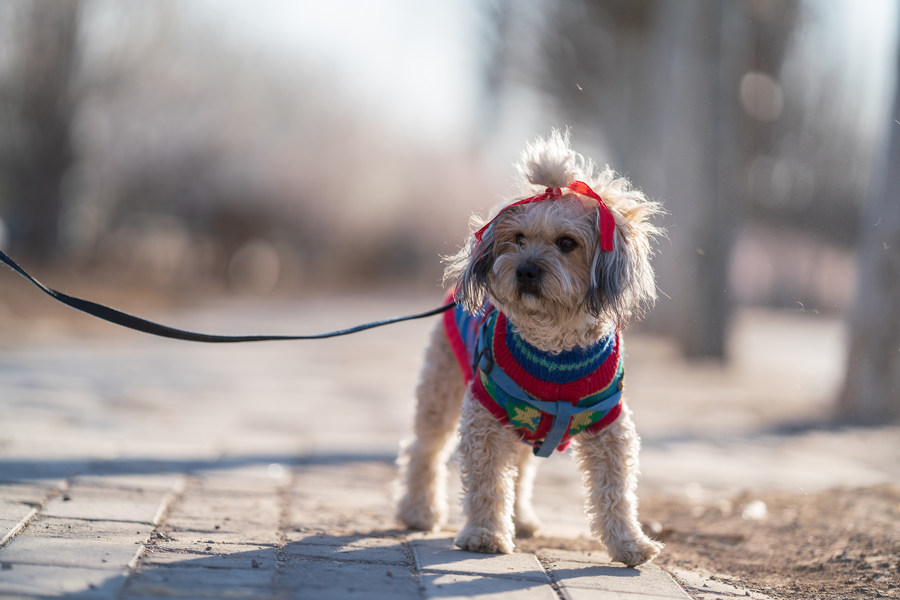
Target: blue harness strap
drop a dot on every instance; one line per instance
(561, 412)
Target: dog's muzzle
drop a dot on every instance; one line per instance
(528, 278)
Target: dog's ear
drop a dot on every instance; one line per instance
(622, 284)
(469, 270)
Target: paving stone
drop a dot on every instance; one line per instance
(246, 507)
(370, 472)
(156, 482)
(602, 594)
(97, 554)
(45, 580)
(12, 527)
(210, 524)
(181, 581)
(320, 501)
(340, 516)
(349, 548)
(15, 511)
(332, 580)
(704, 587)
(107, 505)
(325, 539)
(242, 535)
(26, 493)
(8, 527)
(453, 586)
(590, 557)
(582, 579)
(438, 554)
(221, 557)
(120, 531)
(269, 475)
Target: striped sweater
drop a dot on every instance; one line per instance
(546, 397)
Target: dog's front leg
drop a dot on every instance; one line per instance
(609, 467)
(488, 457)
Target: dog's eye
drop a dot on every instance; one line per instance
(566, 244)
(520, 239)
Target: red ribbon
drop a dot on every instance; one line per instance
(607, 222)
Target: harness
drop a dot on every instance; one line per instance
(546, 397)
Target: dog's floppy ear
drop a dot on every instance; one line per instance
(622, 284)
(469, 270)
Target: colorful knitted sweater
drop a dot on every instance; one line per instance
(547, 398)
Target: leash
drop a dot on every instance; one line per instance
(123, 319)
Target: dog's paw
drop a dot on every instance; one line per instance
(635, 552)
(526, 526)
(479, 539)
(419, 516)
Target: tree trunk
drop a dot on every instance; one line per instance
(698, 167)
(43, 108)
(871, 391)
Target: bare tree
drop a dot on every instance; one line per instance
(39, 111)
(698, 169)
(657, 84)
(871, 390)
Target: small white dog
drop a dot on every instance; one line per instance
(533, 354)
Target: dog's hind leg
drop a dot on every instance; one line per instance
(524, 517)
(609, 468)
(423, 459)
(488, 457)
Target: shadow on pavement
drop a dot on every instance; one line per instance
(28, 469)
(376, 564)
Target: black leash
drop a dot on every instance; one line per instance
(137, 323)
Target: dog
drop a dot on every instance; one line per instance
(530, 360)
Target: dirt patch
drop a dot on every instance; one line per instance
(840, 544)
(837, 544)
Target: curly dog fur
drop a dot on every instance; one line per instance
(573, 293)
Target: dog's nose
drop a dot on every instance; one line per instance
(528, 276)
(527, 272)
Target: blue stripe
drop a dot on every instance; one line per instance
(563, 367)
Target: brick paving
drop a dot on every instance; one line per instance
(133, 468)
(267, 530)
(137, 468)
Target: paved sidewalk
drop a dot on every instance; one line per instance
(132, 468)
(268, 531)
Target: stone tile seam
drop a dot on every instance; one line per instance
(169, 500)
(331, 559)
(407, 544)
(545, 565)
(283, 493)
(18, 527)
(260, 545)
(99, 520)
(162, 511)
(34, 512)
(674, 580)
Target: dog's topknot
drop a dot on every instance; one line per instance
(551, 162)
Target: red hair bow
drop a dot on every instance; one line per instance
(607, 222)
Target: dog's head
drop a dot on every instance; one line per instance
(569, 260)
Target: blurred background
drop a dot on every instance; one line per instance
(290, 147)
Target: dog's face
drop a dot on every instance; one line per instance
(542, 264)
(541, 260)
(541, 257)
